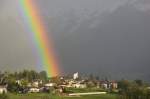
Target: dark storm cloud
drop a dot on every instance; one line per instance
(105, 37)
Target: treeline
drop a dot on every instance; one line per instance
(26, 76)
(133, 90)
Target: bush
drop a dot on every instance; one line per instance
(4, 96)
(135, 93)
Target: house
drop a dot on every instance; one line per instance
(35, 84)
(79, 85)
(148, 88)
(50, 84)
(34, 90)
(3, 89)
(109, 84)
(60, 89)
(114, 85)
(105, 84)
(29, 85)
(70, 83)
(18, 82)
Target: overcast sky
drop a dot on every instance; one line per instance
(104, 37)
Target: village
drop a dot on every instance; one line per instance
(61, 85)
(30, 84)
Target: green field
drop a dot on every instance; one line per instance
(83, 90)
(70, 90)
(49, 96)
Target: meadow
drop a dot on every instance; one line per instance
(50, 96)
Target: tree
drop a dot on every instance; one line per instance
(43, 75)
(56, 80)
(139, 82)
(123, 85)
(91, 77)
(24, 83)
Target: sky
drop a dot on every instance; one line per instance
(108, 38)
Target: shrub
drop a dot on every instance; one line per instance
(4, 96)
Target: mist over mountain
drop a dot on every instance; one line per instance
(109, 38)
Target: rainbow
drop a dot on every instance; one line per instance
(40, 37)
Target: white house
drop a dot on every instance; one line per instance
(3, 89)
(80, 85)
(50, 84)
(35, 84)
(148, 88)
(18, 82)
(105, 86)
(34, 90)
